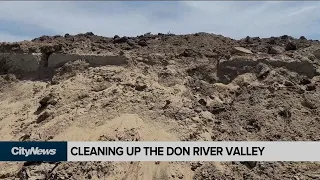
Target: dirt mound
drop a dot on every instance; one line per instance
(196, 87)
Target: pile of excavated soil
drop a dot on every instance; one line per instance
(197, 87)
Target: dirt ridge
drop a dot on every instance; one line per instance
(194, 87)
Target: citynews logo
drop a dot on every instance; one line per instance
(32, 151)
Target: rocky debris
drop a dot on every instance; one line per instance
(240, 50)
(276, 50)
(196, 87)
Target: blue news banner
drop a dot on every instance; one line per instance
(33, 151)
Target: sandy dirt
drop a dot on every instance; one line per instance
(196, 87)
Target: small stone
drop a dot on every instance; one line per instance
(240, 50)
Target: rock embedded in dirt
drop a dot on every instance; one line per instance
(119, 40)
(240, 51)
(311, 87)
(285, 112)
(249, 164)
(263, 70)
(89, 34)
(305, 81)
(317, 54)
(202, 102)
(131, 43)
(311, 100)
(140, 84)
(43, 116)
(302, 38)
(272, 40)
(189, 53)
(248, 40)
(276, 50)
(142, 43)
(291, 46)
(48, 99)
(284, 37)
(207, 116)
